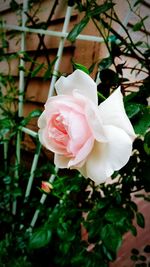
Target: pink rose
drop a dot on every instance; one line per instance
(96, 140)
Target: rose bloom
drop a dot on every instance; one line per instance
(95, 140)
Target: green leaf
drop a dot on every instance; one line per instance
(111, 237)
(107, 253)
(40, 238)
(133, 205)
(112, 38)
(109, 77)
(98, 10)
(147, 53)
(143, 122)
(140, 219)
(14, 5)
(132, 229)
(103, 202)
(147, 143)
(64, 247)
(139, 24)
(130, 97)
(116, 215)
(77, 29)
(47, 73)
(5, 43)
(7, 179)
(1, 53)
(24, 55)
(36, 70)
(138, 2)
(132, 109)
(33, 114)
(91, 68)
(80, 67)
(17, 192)
(105, 63)
(5, 123)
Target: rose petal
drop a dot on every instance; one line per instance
(77, 80)
(94, 168)
(112, 112)
(61, 161)
(105, 158)
(65, 162)
(56, 103)
(82, 154)
(42, 120)
(95, 123)
(79, 132)
(49, 143)
(83, 171)
(92, 116)
(78, 127)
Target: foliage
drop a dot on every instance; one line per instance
(75, 205)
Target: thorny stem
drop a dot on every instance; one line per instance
(138, 15)
(126, 31)
(133, 54)
(37, 9)
(105, 39)
(134, 83)
(140, 70)
(100, 31)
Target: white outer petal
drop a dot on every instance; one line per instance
(106, 158)
(42, 120)
(112, 112)
(77, 80)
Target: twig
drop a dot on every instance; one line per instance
(40, 38)
(39, 45)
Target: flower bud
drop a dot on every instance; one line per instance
(46, 187)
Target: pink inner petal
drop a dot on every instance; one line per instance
(82, 154)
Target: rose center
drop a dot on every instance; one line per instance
(69, 130)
